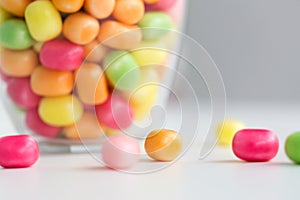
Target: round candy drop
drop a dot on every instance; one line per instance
(121, 70)
(292, 147)
(80, 28)
(226, 131)
(115, 113)
(163, 145)
(18, 151)
(43, 20)
(120, 152)
(19, 63)
(16, 7)
(94, 51)
(61, 110)
(162, 5)
(68, 6)
(255, 145)
(99, 8)
(129, 11)
(14, 34)
(61, 55)
(149, 56)
(36, 124)
(19, 90)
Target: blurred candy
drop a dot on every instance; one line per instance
(20, 92)
(226, 131)
(37, 46)
(61, 110)
(121, 70)
(115, 113)
(155, 25)
(4, 77)
(18, 151)
(35, 124)
(61, 55)
(149, 56)
(292, 147)
(68, 6)
(4, 15)
(99, 8)
(163, 5)
(87, 127)
(119, 36)
(16, 7)
(15, 35)
(80, 28)
(163, 145)
(129, 11)
(120, 152)
(94, 51)
(150, 1)
(91, 84)
(49, 82)
(255, 145)
(43, 20)
(19, 63)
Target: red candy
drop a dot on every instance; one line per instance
(35, 123)
(61, 55)
(19, 90)
(18, 151)
(115, 113)
(255, 145)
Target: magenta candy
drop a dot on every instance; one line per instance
(61, 55)
(162, 5)
(255, 145)
(18, 151)
(4, 77)
(35, 123)
(115, 113)
(120, 152)
(19, 90)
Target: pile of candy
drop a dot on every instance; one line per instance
(73, 65)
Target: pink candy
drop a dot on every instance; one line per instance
(18, 151)
(19, 90)
(35, 123)
(115, 113)
(163, 5)
(255, 145)
(61, 55)
(120, 152)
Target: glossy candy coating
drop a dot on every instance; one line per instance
(68, 6)
(255, 145)
(61, 110)
(61, 55)
(129, 11)
(43, 20)
(115, 113)
(14, 34)
(162, 5)
(94, 51)
(292, 147)
(38, 126)
(120, 152)
(18, 151)
(20, 92)
(163, 145)
(16, 7)
(226, 131)
(99, 8)
(149, 56)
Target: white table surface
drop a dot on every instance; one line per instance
(219, 176)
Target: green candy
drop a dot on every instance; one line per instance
(14, 34)
(292, 147)
(122, 70)
(155, 25)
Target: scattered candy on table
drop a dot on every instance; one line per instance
(18, 151)
(255, 145)
(292, 147)
(226, 131)
(163, 145)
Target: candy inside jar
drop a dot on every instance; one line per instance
(77, 70)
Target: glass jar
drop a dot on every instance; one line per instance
(75, 73)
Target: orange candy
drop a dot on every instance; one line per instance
(99, 8)
(163, 145)
(87, 127)
(91, 84)
(129, 11)
(16, 7)
(49, 82)
(68, 6)
(151, 1)
(18, 63)
(118, 35)
(81, 28)
(94, 51)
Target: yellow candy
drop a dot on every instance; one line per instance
(60, 111)
(4, 15)
(43, 20)
(227, 130)
(147, 56)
